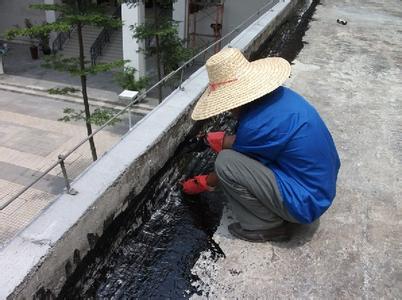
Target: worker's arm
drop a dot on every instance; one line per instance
(228, 141)
(200, 183)
(219, 140)
(204, 183)
(212, 180)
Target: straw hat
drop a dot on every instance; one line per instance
(234, 81)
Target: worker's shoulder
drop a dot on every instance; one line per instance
(296, 101)
(281, 103)
(287, 92)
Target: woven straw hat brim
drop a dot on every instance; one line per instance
(260, 77)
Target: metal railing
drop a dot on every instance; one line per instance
(100, 42)
(103, 39)
(180, 71)
(61, 38)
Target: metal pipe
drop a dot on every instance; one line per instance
(181, 88)
(129, 118)
(4, 205)
(66, 180)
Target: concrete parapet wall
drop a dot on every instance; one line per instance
(41, 257)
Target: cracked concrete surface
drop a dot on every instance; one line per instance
(352, 75)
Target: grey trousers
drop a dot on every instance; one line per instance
(252, 191)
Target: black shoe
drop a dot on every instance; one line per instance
(277, 234)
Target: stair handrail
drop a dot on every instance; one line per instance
(61, 38)
(103, 38)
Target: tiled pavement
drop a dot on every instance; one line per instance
(30, 142)
(31, 138)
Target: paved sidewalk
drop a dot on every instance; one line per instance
(27, 76)
(352, 74)
(31, 139)
(18, 62)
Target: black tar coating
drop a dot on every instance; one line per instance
(149, 250)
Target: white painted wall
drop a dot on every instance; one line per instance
(179, 15)
(51, 17)
(1, 65)
(14, 12)
(132, 15)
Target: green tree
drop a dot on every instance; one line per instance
(77, 13)
(168, 48)
(128, 81)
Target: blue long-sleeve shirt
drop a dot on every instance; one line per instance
(285, 133)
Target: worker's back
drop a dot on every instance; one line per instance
(284, 132)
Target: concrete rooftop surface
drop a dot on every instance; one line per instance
(352, 75)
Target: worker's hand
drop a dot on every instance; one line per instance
(215, 140)
(196, 185)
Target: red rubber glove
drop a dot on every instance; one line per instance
(195, 185)
(215, 140)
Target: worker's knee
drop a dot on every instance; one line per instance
(224, 162)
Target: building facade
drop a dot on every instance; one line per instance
(200, 22)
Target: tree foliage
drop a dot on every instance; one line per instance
(127, 80)
(36, 30)
(98, 117)
(72, 65)
(170, 48)
(163, 40)
(75, 14)
(71, 15)
(162, 3)
(62, 91)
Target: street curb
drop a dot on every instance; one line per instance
(140, 108)
(43, 89)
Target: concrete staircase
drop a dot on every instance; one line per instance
(112, 51)
(89, 35)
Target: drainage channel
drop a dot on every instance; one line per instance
(149, 250)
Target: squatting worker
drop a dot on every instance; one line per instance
(282, 164)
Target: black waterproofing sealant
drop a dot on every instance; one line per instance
(148, 251)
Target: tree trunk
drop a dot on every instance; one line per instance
(84, 93)
(158, 51)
